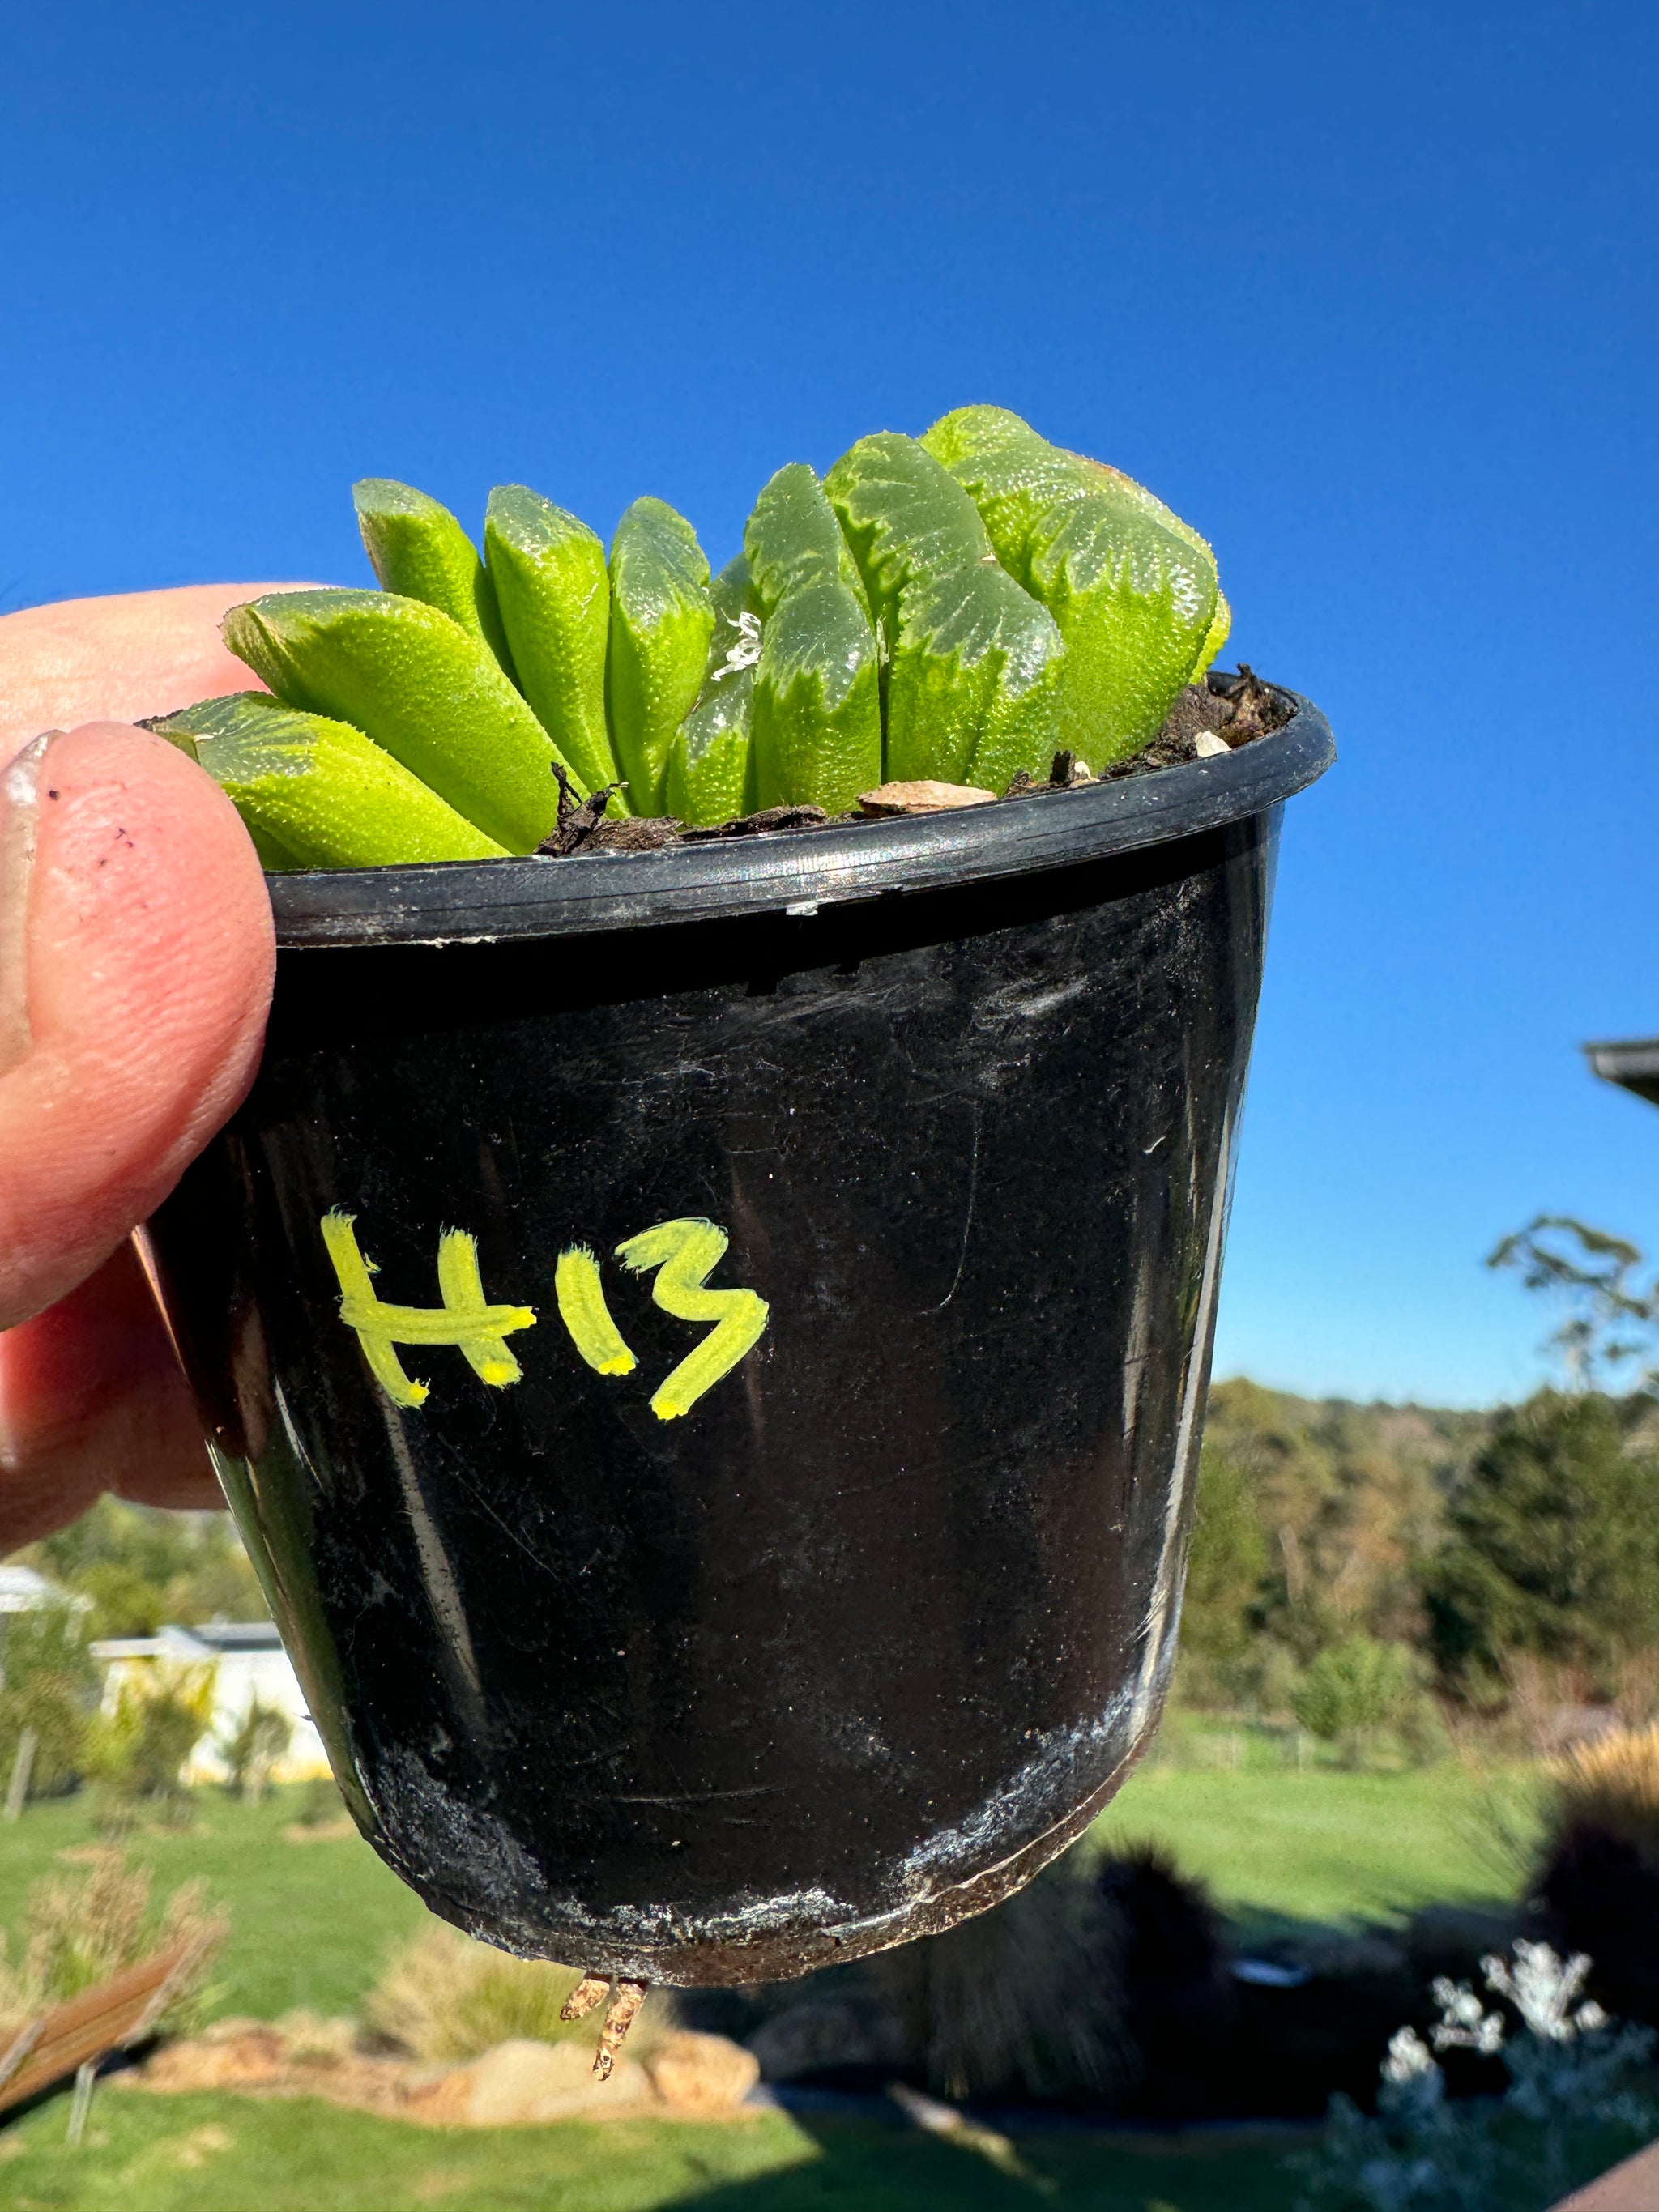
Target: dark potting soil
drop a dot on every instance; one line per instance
(1247, 707)
(1238, 708)
(582, 826)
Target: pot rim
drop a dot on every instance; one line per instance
(793, 873)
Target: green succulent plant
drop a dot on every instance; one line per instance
(662, 616)
(1132, 590)
(428, 691)
(418, 549)
(553, 591)
(306, 784)
(958, 607)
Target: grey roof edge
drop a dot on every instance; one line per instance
(1632, 1063)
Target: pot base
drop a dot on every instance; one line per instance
(724, 1962)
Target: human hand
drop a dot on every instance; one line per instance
(135, 964)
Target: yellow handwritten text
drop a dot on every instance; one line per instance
(582, 1309)
(465, 1319)
(685, 1254)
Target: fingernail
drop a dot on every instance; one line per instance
(20, 811)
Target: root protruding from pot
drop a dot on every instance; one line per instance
(618, 2018)
(592, 1990)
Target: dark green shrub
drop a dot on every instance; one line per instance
(1353, 1688)
(1553, 1544)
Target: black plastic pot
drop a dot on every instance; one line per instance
(855, 1644)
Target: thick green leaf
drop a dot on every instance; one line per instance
(817, 689)
(662, 616)
(418, 683)
(793, 538)
(818, 701)
(710, 763)
(711, 776)
(735, 640)
(418, 549)
(551, 582)
(317, 794)
(1215, 637)
(974, 660)
(1132, 587)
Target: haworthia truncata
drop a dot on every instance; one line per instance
(818, 691)
(974, 660)
(662, 616)
(1131, 586)
(418, 684)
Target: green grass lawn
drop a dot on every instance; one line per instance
(216, 2153)
(313, 1924)
(1323, 1844)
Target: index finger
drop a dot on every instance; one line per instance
(114, 659)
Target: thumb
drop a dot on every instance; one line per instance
(135, 962)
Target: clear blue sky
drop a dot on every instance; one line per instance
(1366, 291)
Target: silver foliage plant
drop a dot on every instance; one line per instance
(1569, 2110)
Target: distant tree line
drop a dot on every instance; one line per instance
(1348, 1560)
(1465, 1539)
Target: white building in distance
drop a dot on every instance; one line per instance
(248, 1661)
(22, 1591)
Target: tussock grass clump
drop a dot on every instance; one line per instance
(1021, 2001)
(444, 1998)
(75, 1934)
(1611, 1784)
(1598, 1876)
